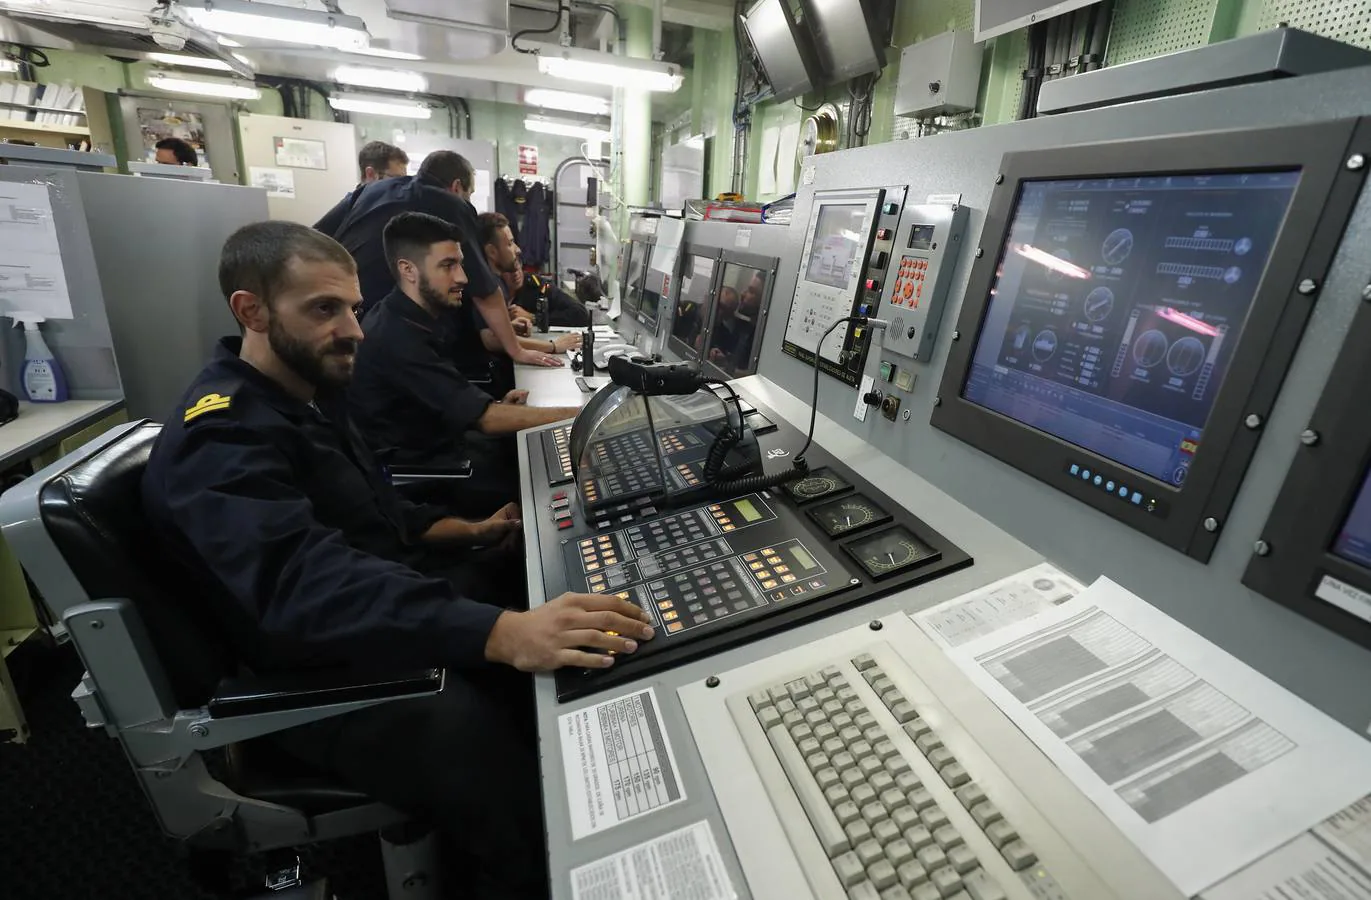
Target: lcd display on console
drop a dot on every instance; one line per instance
(694, 305)
(737, 311)
(1117, 307)
(839, 237)
(1353, 542)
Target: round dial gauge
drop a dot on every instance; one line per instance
(819, 483)
(888, 552)
(849, 514)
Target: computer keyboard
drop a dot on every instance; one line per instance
(879, 772)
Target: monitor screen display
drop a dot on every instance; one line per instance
(633, 280)
(651, 297)
(1353, 542)
(694, 304)
(838, 239)
(736, 311)
(1117, 306)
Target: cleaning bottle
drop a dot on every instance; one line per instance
(42, 378)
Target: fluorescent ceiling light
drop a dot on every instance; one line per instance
(379, 106)
(382, 79)
(566, 129)
(602, 68)
(193, 62)
(227, 42)
(233, 90)
(9, 65)
(385, 53)
(581, 103)
(268, 21)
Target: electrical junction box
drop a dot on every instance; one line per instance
(939, 76)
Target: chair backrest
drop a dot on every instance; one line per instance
(92, 510)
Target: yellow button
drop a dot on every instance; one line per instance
(623, 595)
(729, 528)
(757, 567)
(787, 578)
(665, 604)
(669, 616)
(591, 567)
(783, 569)
(673, 627)
(749, 557)
(768, 584)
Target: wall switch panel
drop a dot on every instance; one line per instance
(920, 275)
(867, 385)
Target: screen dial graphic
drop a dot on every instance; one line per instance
(849, 514)
(887, 552)
(819, 483)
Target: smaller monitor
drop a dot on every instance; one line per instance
(1134, 308)
(654, 286)
(849, 35)
(694, 303)
(633, 278)
(784, 49)
(740, 308)
(1314, 552)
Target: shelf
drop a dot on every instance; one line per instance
(6, 104)
(44, 127)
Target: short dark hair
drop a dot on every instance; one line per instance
(446, 166)
(185, 153)
(487, 224)
(409, 235)
(378, 155)
(257, 257)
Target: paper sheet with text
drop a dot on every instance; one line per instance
(682, 865)
(32, 278)
(618, 762)
(1201, 761)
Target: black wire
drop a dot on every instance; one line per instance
(562, 9)
(797, 102)
(814, 400)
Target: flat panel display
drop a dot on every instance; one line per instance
(650, 298)
(1117, 307)
(633, 281)
(839, 238)
(737, 311)
(1353, 542)
(694, 306)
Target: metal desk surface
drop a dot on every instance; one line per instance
(997, 555)
(41, 425)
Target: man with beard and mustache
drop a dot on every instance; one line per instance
(279, 524)
(523, 292)
(410, 396)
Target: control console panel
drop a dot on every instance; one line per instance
(916, 292)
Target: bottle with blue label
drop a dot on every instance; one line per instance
(42, 378)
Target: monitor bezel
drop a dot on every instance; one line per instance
(1295, 552)
(1188, 520)
(680, 348)
(645, 245)
(768, 264)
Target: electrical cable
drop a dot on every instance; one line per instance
(814, 400)
(563, 9)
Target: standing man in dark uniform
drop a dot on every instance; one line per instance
(283, 526)
(375, 161)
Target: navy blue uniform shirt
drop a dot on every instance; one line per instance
(408, 393)
(279, 518)
(378, 203)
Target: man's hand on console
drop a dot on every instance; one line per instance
(565, 342)
(550, 636)
(522, 327)
(516, 397)
(536, 358)
(501, 530)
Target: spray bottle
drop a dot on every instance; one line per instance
(42, 378)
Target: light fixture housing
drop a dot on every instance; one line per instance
(9, 65)
(386, 53)
(268, 21)
(176, 84)
(187, 61)
(372, 104)
(594, 67)
(381, 79)
(567, 101)
(566, 129)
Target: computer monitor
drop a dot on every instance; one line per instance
(694, 302)
(1314, 552)
(633, 280)
(1133, 308)
(654, 287)
(740, 311)
(630, 270)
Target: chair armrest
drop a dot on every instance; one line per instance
(284, 692)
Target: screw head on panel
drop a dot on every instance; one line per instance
(97, 624)
(1366, 293)
(712, 681)
(1308, 286)
(198, 731)
(1211, 524)
(999, 179)
(956, 335)
(980, 251)
(937, 401)
(1309, 437)
(1356, 162)
(905, 414)
(876, 625)
(1253, 421)
(1261, 548)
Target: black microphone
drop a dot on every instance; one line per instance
(654, 380)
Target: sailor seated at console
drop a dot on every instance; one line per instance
(280, 522)
(409, 394)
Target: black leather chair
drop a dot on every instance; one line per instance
(160, 680)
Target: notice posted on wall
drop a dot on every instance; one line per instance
(278, 182)
(682, 865)
(31, 275)
(618, 762)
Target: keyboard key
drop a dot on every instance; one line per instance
(863, 720)
(846, 812)
(873, 812)
(841, 721)
(893, 798)
(857, 831)
(882, 782)
(897, 766)
(955, 776)
(911, 874)
(1017, 854)
(985, 814)
(925, 892)
(890, 696)
(873, 734)
(970, 795)
(843, 761)
(962, 859)
(826, 827)
(860, 749)
(825, 695)
(836, 794)
(1001, 833)
(907, 781)
(946, 881)
(899, 852)
(827, 778)
(918, 837)
(933, 818)
(863, 662)
(807, 745)
(885, 749)
(849, 869)
(850, 735)
(881, 683)
(885, 832)
(882, 874)
(863, 891)
(863, 794)
(868, 852)
(941, 758)
(759, 700)
(816, 761)
(947, 837)
(824, 732)
(853, 777)
(931, 858)
(903, 711)
(768, 717)
(921, 799)
(785, 705)
(904, 817)
(916, 729)
(870, 766)
(980, 886)
(895, 892)
(928, 742)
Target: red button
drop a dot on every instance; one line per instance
(560, 495)
(873, 284)
(882, 234)
(564, 524)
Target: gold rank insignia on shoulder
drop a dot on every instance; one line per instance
(208, 403)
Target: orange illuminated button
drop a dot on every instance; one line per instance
(673, 627)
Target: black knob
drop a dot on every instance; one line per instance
(910, 334)
(934, 87)
(872, 398)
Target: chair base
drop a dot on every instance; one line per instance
(409, 853)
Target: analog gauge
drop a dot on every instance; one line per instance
(1117, 246)
(890, 551)
(848, 514)
(819, 483)
(1099, 303)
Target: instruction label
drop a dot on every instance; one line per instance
(682, 865)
